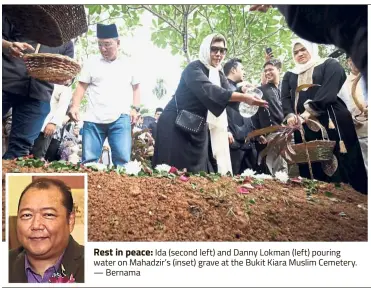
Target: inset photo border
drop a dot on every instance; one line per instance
(53, 214)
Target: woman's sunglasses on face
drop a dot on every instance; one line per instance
(215, 50)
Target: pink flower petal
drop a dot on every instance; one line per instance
(242, 190)
(247, 186)
(184, 178)
(173, 170)
(247, 179)
(296, 180)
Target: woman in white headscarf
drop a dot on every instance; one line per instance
(323, 104)
(202, 88)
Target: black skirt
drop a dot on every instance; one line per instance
(178, 148)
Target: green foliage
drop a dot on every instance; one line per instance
(214, 177)
(126, 17)
(329, 194)
(30, 162)
(159, 90)
(310, 186)
(144, 111)
(256, 181)
(55, 165)
(183, 27)
(247, 33)
(107, 14)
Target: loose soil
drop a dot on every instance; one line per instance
(123, 208)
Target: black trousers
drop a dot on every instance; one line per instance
(41, 145)
(243, 159)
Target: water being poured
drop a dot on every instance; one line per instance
(247, 110)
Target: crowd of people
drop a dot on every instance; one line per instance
(201, 128)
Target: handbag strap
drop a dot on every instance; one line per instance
(176, 104)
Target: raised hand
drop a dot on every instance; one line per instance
(16, 48)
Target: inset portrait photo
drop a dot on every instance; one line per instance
(46, 227)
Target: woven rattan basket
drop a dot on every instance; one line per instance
(50, 25)
(319, 151)
(53, 68)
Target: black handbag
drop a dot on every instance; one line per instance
(188, 121)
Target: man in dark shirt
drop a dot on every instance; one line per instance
(153, 126)
(29, 98)
(273, 115)
(45, 220)
(243, 155)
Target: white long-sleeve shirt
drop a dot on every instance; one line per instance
(59, 102)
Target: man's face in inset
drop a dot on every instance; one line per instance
(109, 48)
(43, 224)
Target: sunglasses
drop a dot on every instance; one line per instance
(105, 45)
(215, 50)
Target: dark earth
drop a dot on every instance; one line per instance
(123, 208)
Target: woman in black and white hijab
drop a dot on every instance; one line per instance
(323, 104)
(202, 88)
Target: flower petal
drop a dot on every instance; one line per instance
(242, 190)
(247, 186)
(296, 180)
(184, 178)
(173, 170)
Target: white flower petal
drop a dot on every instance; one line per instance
(133, 168)
(282, 176)
(263, 176)
(163, 168)
(248, 173)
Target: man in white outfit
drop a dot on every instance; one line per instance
(112, 89)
